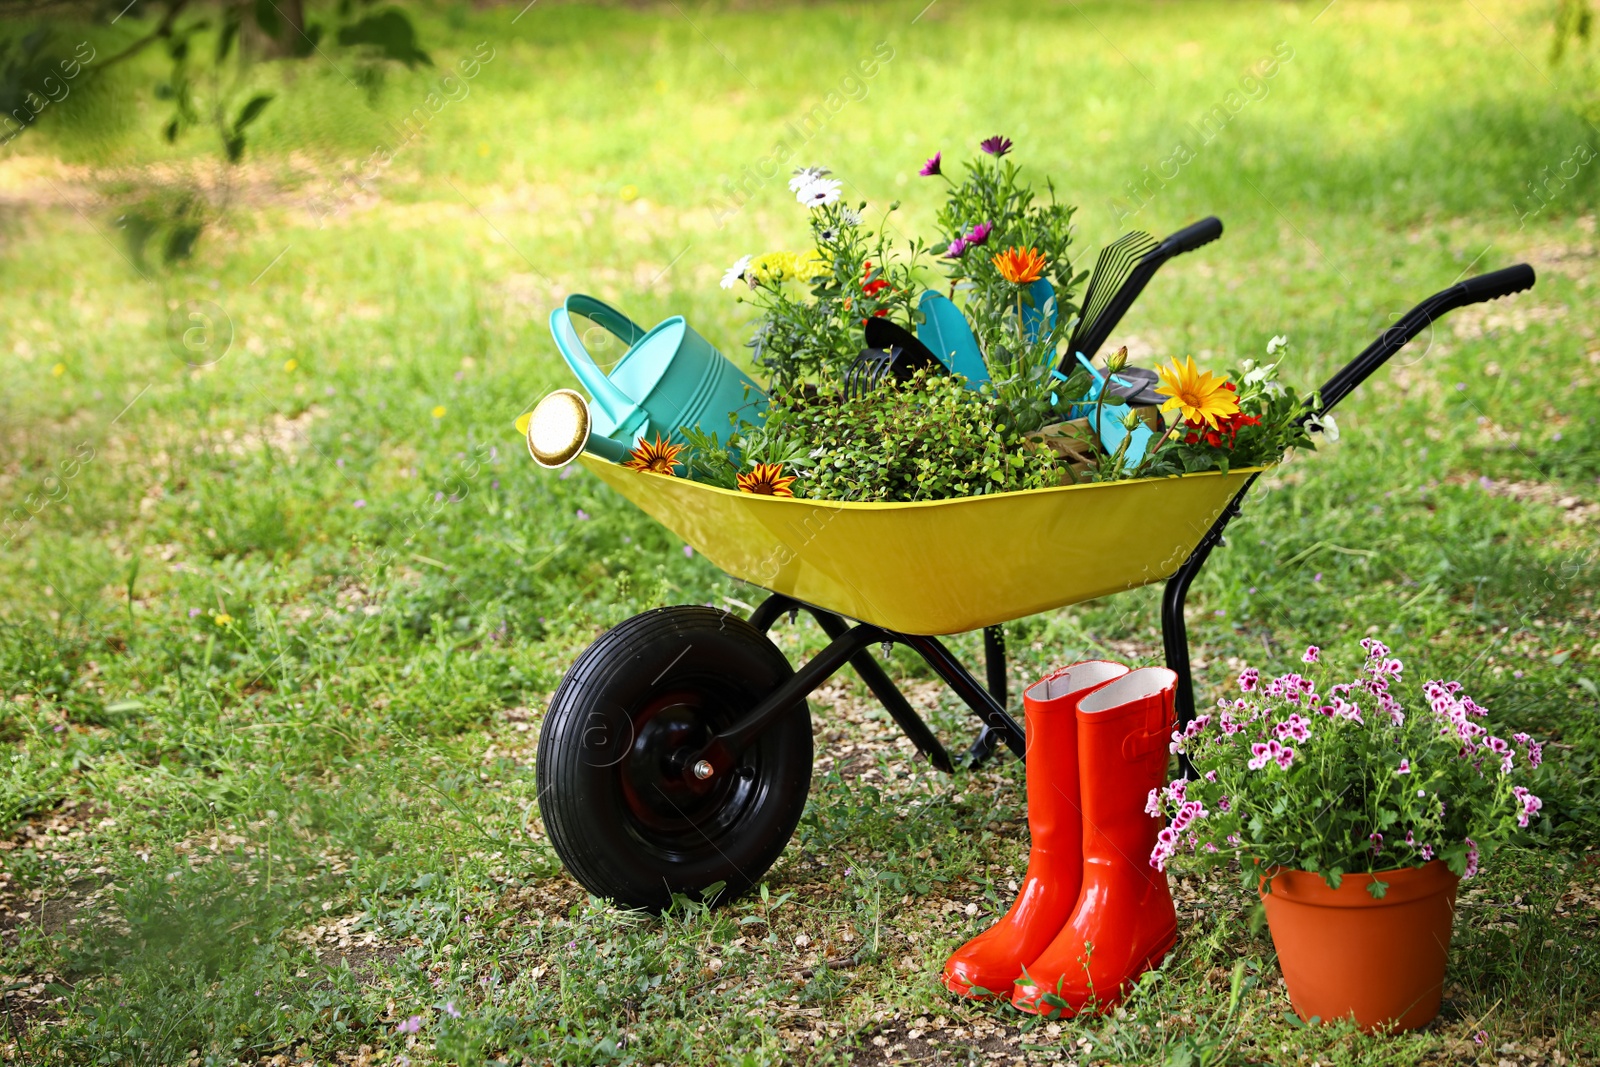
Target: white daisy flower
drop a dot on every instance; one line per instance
(736, 272)
(804, 176)
(819, 192)
(849, 217)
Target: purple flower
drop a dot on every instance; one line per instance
(688, 552)
(411, 1025)
(1312, 652)
(193, 612)
(996, 146)
(1530, 804)
(979, 234)
(450, 1009)
(583, 516)
(957, 249)
(1405, 767)
(1472, 859)
(359, 504)
(1152, 803)
(1377, 842)
(1248, 679)
(1480, 1037)
(930, 169)
(1427, 853)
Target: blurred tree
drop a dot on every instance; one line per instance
(210, 47)
(239, 32)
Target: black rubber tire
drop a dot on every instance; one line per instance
(628, 829)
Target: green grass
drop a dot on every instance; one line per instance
(286, 835)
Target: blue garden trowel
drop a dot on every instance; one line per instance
(1110, 430)
(944, 329)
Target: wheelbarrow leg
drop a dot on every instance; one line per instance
(994, 661)
(893, 701)
(981, 701)
(1174, 630)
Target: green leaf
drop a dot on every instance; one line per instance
(391, 33)
(251, 111)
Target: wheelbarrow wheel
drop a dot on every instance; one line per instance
(627, 821)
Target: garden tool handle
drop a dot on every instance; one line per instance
(1185, 240)
(1191, 237)
(623, 410)
(1476, 290)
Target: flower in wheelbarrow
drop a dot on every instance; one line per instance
(767, 479)
(735, 273)
(656, 457)
(996, 146)
(957, 249)
(1020, 266)
(819, 192)
(804, 176)
(1199, 395)
(979, 234)
(930, 169)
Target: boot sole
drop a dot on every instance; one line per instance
(1153, 959)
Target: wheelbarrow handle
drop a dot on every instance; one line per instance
(1491, 286)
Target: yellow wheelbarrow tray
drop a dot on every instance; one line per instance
(941, 566)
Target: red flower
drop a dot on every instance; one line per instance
(874, 287)
(1228, 427)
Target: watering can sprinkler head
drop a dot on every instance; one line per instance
(560, 428)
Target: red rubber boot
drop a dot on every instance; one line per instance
(1124, 922)
(989, 963)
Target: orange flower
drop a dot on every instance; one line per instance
(767, 479)
(1020, 266)
(657, 458)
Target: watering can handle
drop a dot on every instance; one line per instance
(620, 408)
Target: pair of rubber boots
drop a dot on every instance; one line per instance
(1092, 914)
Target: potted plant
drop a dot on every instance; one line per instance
(1355, 807)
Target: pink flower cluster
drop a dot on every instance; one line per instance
(1272, 751)
(1530, 804)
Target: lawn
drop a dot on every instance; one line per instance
(282, 598)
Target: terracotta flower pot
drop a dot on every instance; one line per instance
(1344, 952)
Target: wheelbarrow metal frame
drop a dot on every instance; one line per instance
(852, 643)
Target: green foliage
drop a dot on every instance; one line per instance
(929, 438)
(814, 304)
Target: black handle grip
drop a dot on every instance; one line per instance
(1489, 286)
(1495, 284)
(1192, 237)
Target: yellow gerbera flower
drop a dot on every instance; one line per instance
(656, 458)
(767, 479)
(1198, 394)
(1020, 266)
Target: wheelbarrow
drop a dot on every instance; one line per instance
(675, 757)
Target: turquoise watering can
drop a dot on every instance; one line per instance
(670, 377)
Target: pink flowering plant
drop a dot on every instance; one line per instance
(1309, 772)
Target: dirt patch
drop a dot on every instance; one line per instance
(1574, 509)
(364, 961)
(938, 1040)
